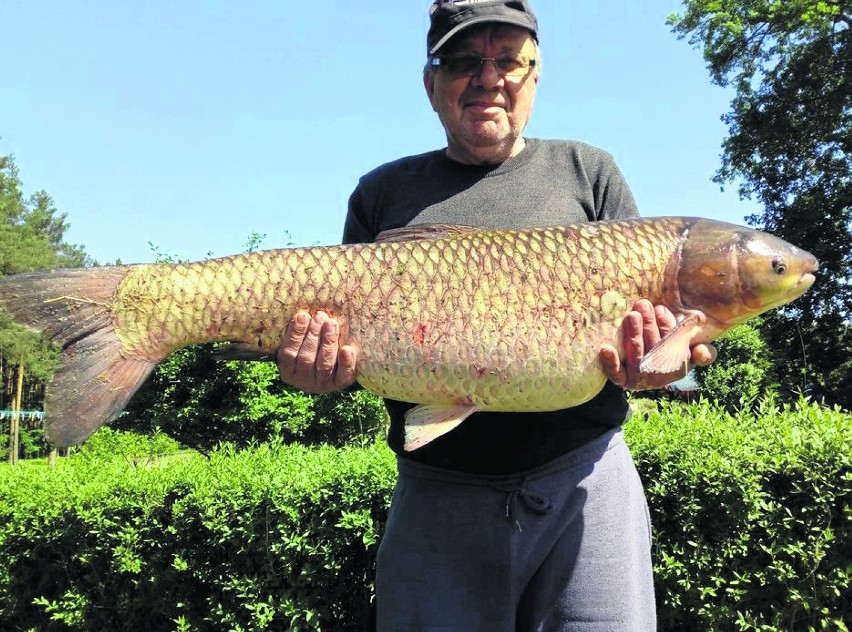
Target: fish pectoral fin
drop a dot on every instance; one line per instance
(671, 354)
(423, 231)
(427, 422)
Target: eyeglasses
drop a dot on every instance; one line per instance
(512, 68)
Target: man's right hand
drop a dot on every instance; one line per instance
(310, 357)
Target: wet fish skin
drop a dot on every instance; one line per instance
(453, 318)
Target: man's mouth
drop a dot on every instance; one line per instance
(481, 106)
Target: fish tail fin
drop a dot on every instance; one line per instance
(95, 379)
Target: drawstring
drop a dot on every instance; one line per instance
(532, 502)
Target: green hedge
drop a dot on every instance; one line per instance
(270, 538)
(751, 516)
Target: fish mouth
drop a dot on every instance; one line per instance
(808, 276)
(802, 285)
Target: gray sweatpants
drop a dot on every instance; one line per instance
(564, 547)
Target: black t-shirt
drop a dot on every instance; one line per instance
(549, 183)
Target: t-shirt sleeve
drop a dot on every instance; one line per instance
(355, 228)
(613, 197)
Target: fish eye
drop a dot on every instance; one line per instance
(779, 266)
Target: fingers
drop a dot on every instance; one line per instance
(648, 328)
(612, 367)
(636, 341)
(310, 357)
(324, 346)
(345, 373)
(623, 373)
(703, 354)
(288, 352)
(666, 321)
(642, 329)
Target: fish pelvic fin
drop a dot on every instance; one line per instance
(427, 422)
(671, 355)
(94, 380)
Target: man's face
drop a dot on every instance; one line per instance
(484, 115)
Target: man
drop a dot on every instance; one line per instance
(510, 521)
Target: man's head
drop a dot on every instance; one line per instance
(481, 75)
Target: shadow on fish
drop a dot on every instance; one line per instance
(452, 318)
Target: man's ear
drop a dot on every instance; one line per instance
(429, 85)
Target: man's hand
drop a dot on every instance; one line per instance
(310, 357)
(643, 328)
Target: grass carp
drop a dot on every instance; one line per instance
(452, 318)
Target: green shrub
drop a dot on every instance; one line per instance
(751, 517)
(272, 538)
(108, 443)
(743, 371)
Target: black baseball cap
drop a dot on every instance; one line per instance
(448, 17)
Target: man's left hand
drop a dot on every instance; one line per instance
(643, 328)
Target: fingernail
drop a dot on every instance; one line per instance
(302, 319)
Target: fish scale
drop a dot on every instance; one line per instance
(452, 318)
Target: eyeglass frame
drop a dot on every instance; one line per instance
(439, 61)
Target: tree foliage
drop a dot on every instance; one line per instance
(202, 400)
(32, 230)
(790, 147)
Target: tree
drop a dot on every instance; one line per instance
(32, 231)
(790, 146)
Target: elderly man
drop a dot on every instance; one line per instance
(532, 521)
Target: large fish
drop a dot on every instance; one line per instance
(455, 319)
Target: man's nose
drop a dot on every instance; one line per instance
(488, 75)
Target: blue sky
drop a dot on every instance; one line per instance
(192, 124)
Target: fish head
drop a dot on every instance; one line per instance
(733, 273)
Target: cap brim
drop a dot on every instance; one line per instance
(473, 22)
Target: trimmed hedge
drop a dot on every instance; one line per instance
(751, 514)
(270, 538)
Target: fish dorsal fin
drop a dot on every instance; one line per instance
(671, 354)
(427, 422)
(423, 231)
